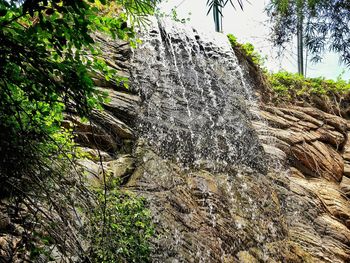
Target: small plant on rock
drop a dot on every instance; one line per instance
(248, 49)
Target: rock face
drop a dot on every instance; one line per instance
(203, 216)
(314, 144)
(292, 208)
(295, 211)
(312, 139)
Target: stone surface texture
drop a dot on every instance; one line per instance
(315, 146)
(298, 211)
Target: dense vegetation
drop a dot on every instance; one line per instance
(48, 53)
(286, 84)
(291, 87)
(47, 59)
(126, 227)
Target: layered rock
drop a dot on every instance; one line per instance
(315, 146)
(297, 211)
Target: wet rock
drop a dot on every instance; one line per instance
(275, 153)
(96, 155)
(194, 106)
(345, 186)
(317, 159)
(331, 197)
(245, 257)
(4, 221)
(91, 135)
(315, 144)
(346, 157)
(121, 168)
(97, 173)
(8, 247)
(117, 54)
(331, 227)
(122, 105)
(93, 171)
(207, 216)
(298, 211)
(114, 126)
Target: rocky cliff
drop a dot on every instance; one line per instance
(297, 211)
(291, 204)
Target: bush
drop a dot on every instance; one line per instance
(247, 49)
(121, 227)
(290, 85)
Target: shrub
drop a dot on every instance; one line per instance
(289, 84)
(247, 49)
(121, 227)
(48, 54)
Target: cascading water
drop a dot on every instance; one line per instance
(203, 168)
(194, 99)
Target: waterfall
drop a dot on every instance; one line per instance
(195, 103)
(197, 111)
(214, 194)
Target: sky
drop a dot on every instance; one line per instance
(251, 25)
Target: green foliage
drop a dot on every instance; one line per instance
(47, 56)
(248, 50)
(216, 6)
(289, 85)
(326, 25)
(176, 18)
(121, 231)
(173, 15)
(37, 251)
(212, 4)
(233, 40)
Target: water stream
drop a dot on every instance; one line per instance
(195, 103)
(215, 194)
